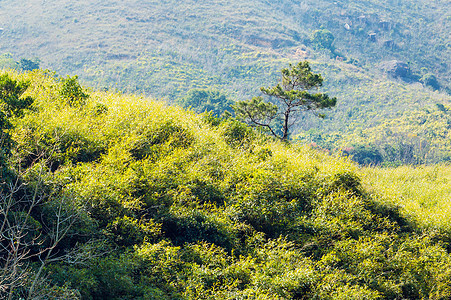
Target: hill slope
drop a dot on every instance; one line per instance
(146, 201)
(110, 36)
(167, 48)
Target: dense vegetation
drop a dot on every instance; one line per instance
(119, 197)
(112, 196)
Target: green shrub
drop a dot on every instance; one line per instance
(126, 231)
(237, 134)
(72, 92)
(58, 147)
(151, 140)
(191, 226)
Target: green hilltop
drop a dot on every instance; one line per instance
(115, 196)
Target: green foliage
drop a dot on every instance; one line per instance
(126, 231)
(12, 104)
(385, 276)
(430, 80)
(211, 119)
(72, 91)
(28, 64)
(201, 100)
(237, 134)
(256, 112)
(7, 62)
(178, 206)
(152, 141)
(292, 90)
(291, 95)
(323, 38)
(364, 155)
(11, 92)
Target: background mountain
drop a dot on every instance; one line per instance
(382, 59)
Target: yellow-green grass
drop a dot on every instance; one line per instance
(423, 192)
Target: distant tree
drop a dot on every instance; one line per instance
(73, 92)
(202, 100)
(292, 97)
(323, 38)
(364, 154)
(28, 64)
(7, 62)
(430, 80)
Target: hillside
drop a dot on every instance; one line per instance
(198, 42)
(168, 48)
(123, 197)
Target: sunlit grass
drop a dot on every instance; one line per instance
(423, 192)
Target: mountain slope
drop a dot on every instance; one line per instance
(167, 48)
(112, 40)
(166, 204)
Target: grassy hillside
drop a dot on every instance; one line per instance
(422, 191)
(133, 199)
(114, 41)
(168, 48)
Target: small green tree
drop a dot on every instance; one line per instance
(292, 97)
(73, 92)
(28, 64)
(323, 39)
(430, 80)
(202, 100)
